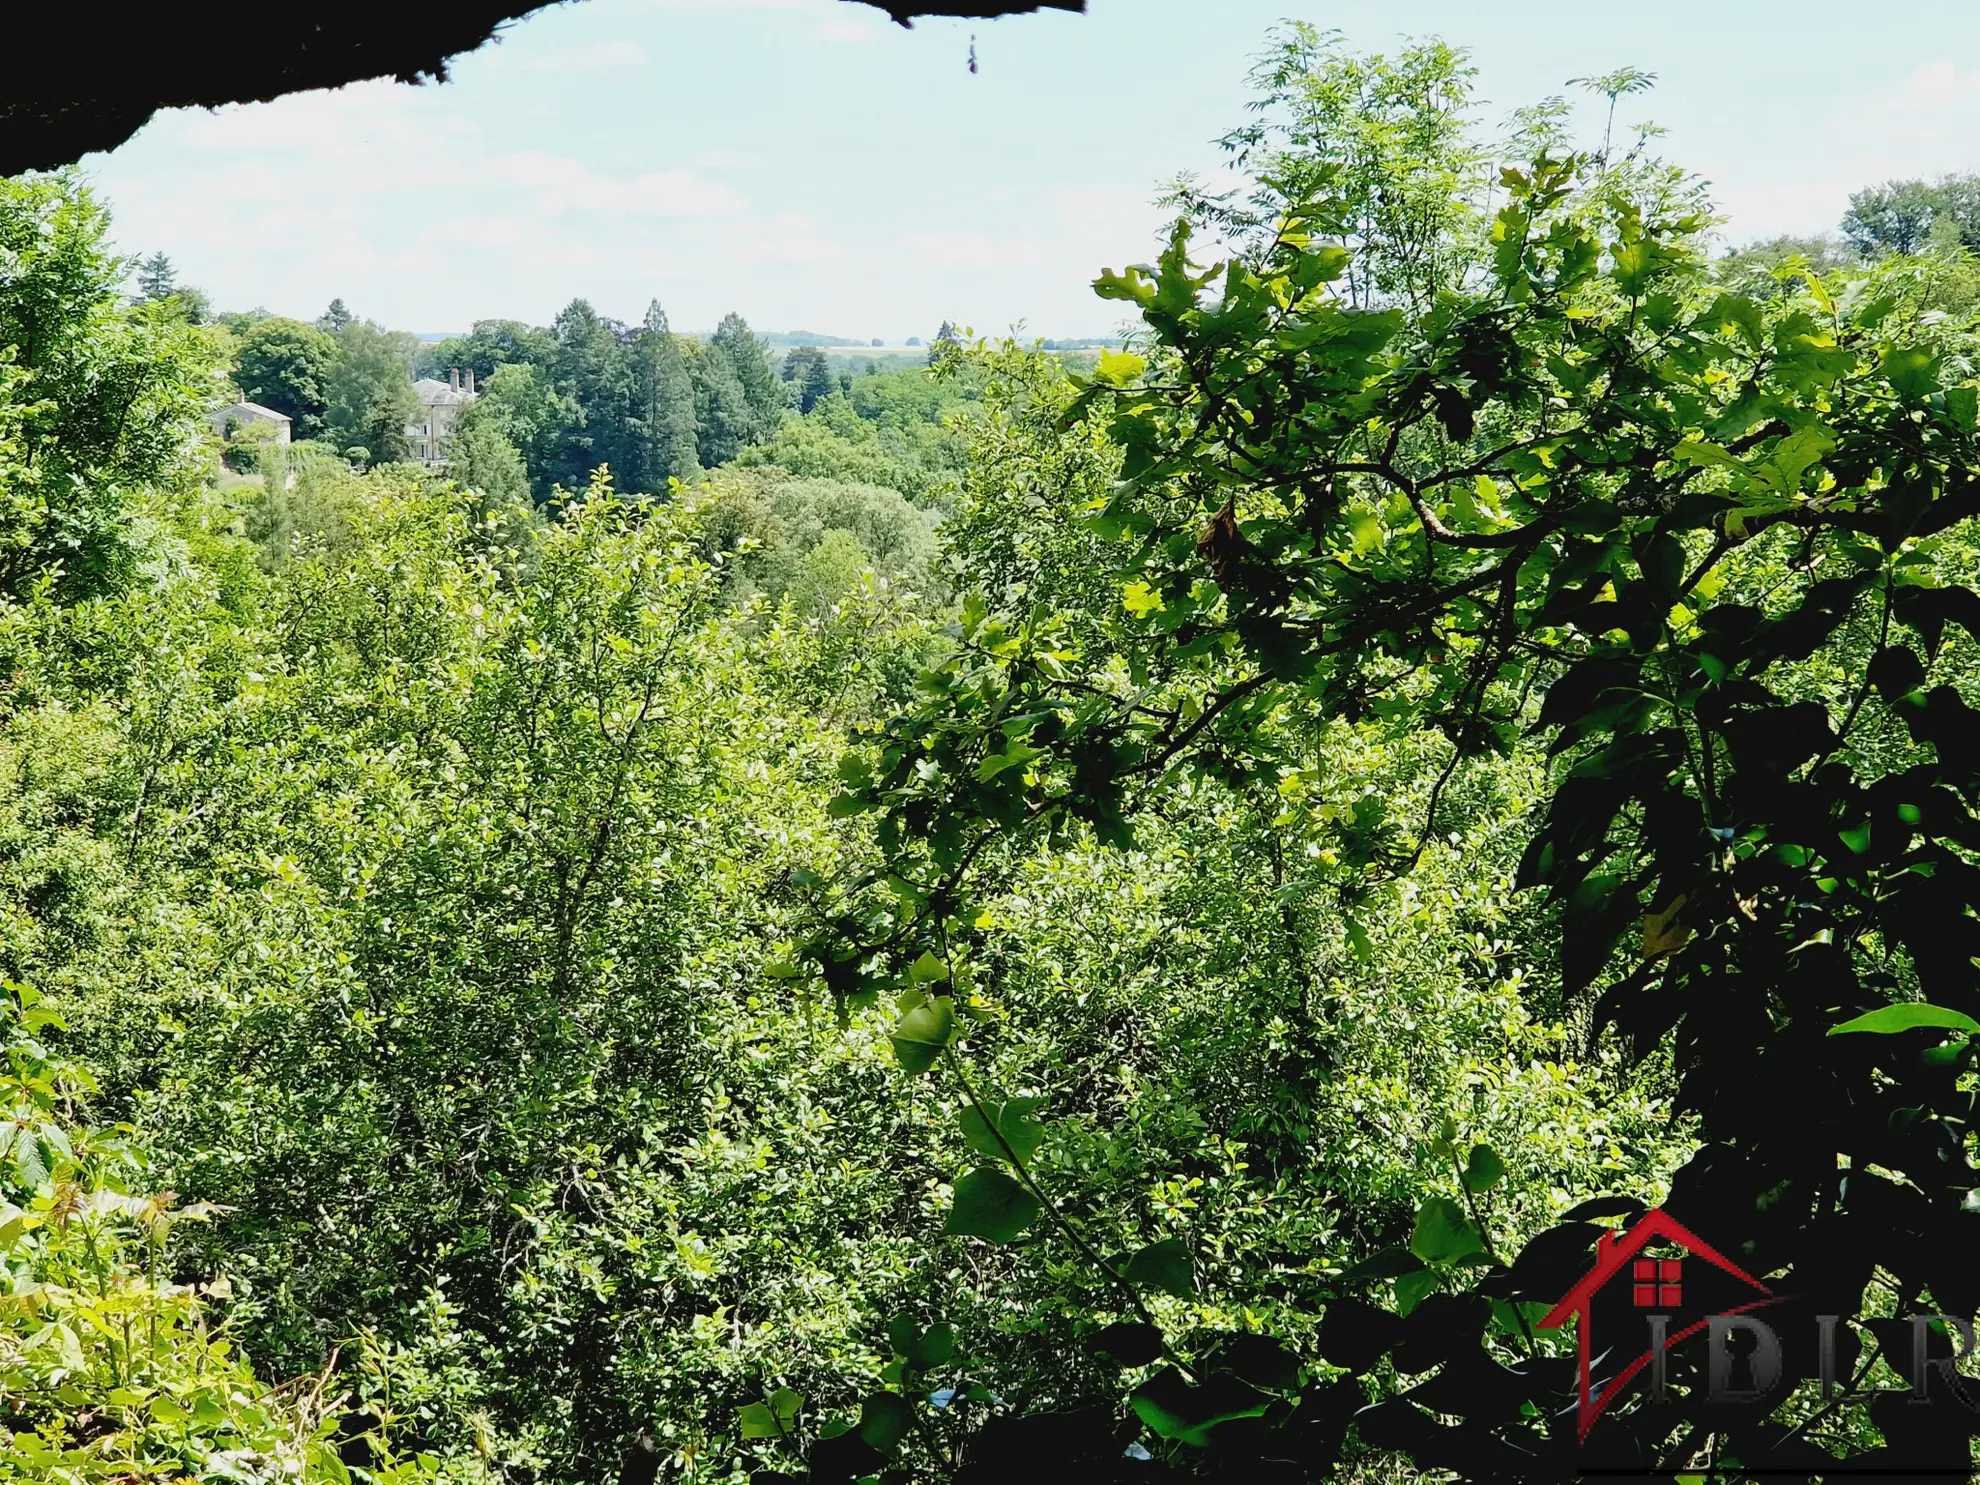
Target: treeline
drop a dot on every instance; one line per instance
(556, 403)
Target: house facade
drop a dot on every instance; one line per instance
(252, 420)
(440, 407)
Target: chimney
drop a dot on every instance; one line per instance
(454, 378)
(470, 381)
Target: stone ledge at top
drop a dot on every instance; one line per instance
(82, 85)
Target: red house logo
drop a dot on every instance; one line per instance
(1654, 1284)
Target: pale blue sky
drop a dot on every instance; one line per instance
(814, 166)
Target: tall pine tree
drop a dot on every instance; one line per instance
(156, 278)
(590, 366)
(664, 432)
(725, 422)
(751, 364)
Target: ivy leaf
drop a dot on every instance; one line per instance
(990, 1205)
(1484, 1169)
(921, 1034)
(884, 1420)
(1164, 1266)
(1443, 1233)
(1176, 1410)
(1012, 1119)
(1907, 1017)
(1129, 1343)
(935, 1346)
(1385, 1263)
(773, 1419)
(1413, 1289)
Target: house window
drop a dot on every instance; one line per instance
(1658, 1283)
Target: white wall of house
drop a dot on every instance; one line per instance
(250, 416)
(440, 407)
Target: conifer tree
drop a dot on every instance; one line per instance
(590, 367)
(753, 370)
(664, 395)
(725, 422)
(156, 277)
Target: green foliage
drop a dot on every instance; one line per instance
(1546, 478)
(726, 422)
(811, 540)
(99, 400)
(589, 366)
(493, 344)
(371, 399)
(481, 458)
(809, 375)
(590, 393)
(747, 357)
(664, 422)
(1909, 216)
(288, 366)
(1425, 749)
(895, 429)
(112, 1366)
(524, 405)
(990, 1205)
(1385, 144)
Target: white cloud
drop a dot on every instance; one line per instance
(1923, 125)
(565, 185)
(592, 57)
(841, 32)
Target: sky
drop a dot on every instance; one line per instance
(813, 166)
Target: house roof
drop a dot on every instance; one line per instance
(433, 393)
(254, 410)
(93, 86)
(1614, 1250)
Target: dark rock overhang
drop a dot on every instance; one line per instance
(68, 93)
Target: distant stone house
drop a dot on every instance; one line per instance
(251, 419)
(440, 407)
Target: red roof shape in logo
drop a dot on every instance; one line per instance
(1614, 1251)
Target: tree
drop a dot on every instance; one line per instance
(946, 341)
(337, 318)
(533, 415)
(1395, 133)
(288, 366)
(371, 400)
(810, 376)
(592, 367)
(156, 277)
(494, 343)
(1908, 216)
(1718, 552)
(725, 420)
(481, 458)
(100, 400)
(751, 364)
(664, 399)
